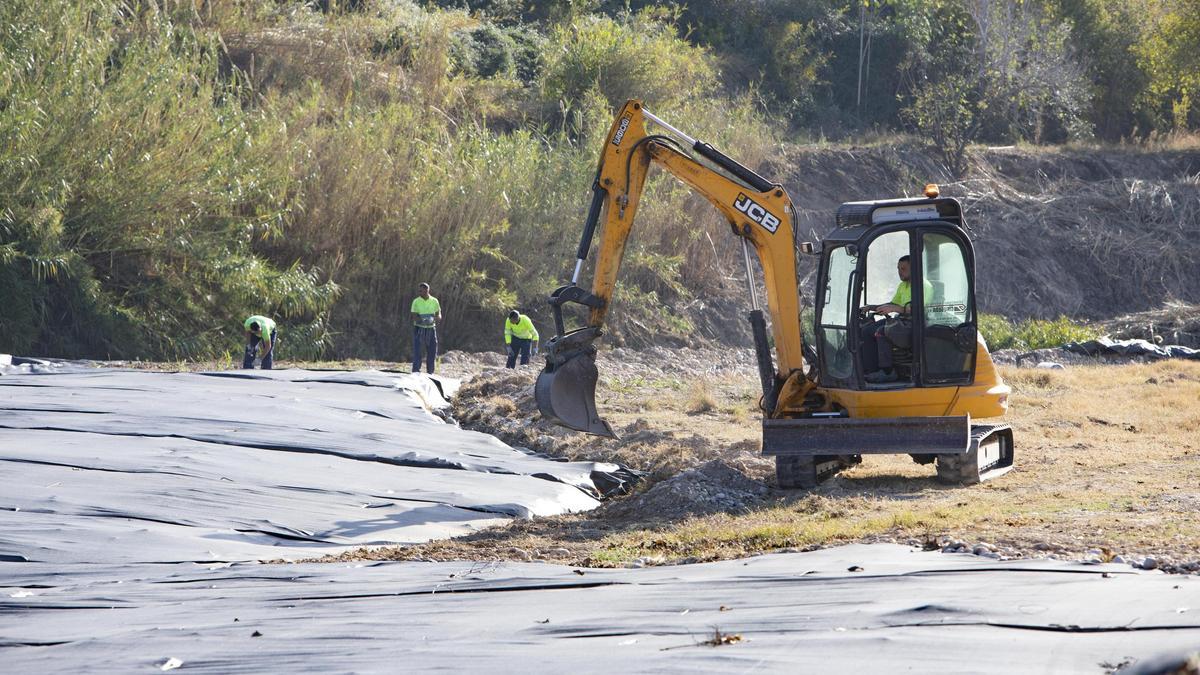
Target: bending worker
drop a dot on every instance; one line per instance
(259, 330)
(518, 334)
(426, 313)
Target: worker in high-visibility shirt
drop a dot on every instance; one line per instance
(519, 334)
(259, 331)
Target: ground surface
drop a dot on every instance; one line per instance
(879, 608)
(141, 507)
(1107, 456)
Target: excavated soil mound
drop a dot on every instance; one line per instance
(500, 402)
(712, 487)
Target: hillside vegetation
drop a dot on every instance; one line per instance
(171, 166)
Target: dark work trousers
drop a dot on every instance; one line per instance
(521, 346)
(268, 359)
(876, 350)
(424, 338)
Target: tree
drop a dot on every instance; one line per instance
(1105, 35)
(1025, 57)
(1170, 54)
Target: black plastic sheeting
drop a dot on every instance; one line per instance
(132, 507)
(903, 610)
(1107, 345)
(104, 465)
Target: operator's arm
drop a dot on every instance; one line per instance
(899, 303)
(888, 308)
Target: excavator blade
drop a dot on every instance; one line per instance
(566, 394)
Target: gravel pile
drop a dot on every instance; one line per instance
(712, 487)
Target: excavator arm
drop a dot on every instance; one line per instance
(758, 211)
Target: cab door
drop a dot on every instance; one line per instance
(947, 329)
(832, 326)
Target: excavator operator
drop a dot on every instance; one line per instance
(877, 346)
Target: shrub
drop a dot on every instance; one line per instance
(633, 56)
(485, 51)
(1000, 333)
(137, 183)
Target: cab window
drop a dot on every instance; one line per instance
(949, 317)
(837, 363)
(882, 279)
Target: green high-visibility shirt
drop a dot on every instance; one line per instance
(266, 325)
(426, 309)
(903, 294)
(523, 329)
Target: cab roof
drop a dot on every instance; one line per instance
(883, 211)
(855, 218)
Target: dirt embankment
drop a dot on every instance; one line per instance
(1089, 234)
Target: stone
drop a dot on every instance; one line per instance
(519, 553)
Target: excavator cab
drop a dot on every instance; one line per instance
(877, 248)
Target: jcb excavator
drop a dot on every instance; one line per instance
(821, 419)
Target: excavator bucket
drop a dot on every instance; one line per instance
(566, 394)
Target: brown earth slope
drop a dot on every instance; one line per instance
(1088, 234)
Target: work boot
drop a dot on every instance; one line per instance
(881, 376)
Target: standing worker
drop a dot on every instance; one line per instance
(426, 313)
(518, 334)
(259, 329)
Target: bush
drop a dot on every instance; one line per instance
(485, 51)
(1000, 333)
(633, 56)
(138, 188)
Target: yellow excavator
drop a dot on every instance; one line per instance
(823, 412)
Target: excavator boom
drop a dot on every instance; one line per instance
(758, 211)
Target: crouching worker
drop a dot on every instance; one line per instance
(260, 330)
(519, 333)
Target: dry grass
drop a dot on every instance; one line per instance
(1107, 458)
(702, 399)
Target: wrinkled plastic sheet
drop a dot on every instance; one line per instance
(134, 506)
(1135, 347)
(904, 610)
(106, 465)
